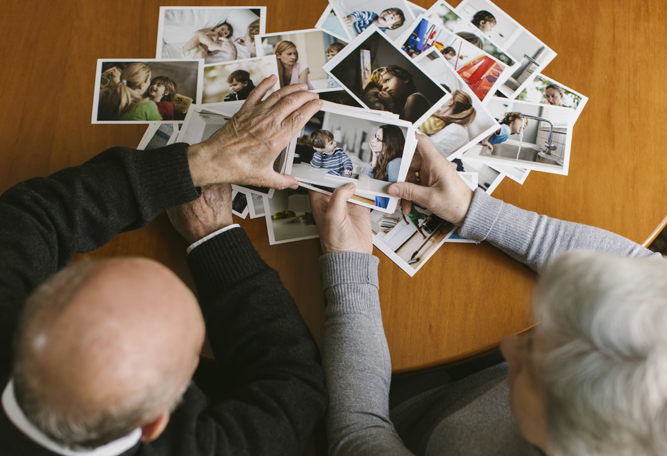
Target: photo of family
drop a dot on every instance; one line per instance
(389, 16)
(409, 240)
(517, 42)
(234, 81)
(301, 55)
(214, 34)
(546, 91)
(530, 136)
(239, 204)
(395, 83)
(336, 147)
(480, 71)
(159, 135)
(144, 91)
(460, 120)
(444, 15)
(289, 217)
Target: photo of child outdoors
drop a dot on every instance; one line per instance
(396, 83)
(301, 55)
(389, 16)
(233, 81)
(213, 34)
(336, 147)
(144, 91)
(543, 90)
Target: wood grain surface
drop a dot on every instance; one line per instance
(467, 297)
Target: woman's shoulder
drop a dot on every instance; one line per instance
(300, 66)
(393, 169)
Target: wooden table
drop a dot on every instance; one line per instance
(467, 297)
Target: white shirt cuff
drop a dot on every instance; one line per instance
(211, 236)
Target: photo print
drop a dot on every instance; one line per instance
(380, 76)
(239, 204)
(480, 71)
(213, 34)
(531, 54)
(233, 81)
(518, 175)
(144, 91)
(159, 135)
(546, 91)
(255, 205)
(338, 146)
(301, 55)
(488, 178)
(203, 121)
(416, 9)
(289, 217)
(329, 22)
(459, 120)
(389, 16)
(530, 136)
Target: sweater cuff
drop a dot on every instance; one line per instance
(342, 268)
(482, 216)
(165, 176)
(223, 261)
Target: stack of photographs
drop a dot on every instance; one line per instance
(470, 78)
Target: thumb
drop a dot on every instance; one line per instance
(410, 192)
(338, 201)
(280, 181)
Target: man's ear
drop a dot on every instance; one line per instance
(152, 431)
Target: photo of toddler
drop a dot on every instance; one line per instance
(389, 19)
(161, 91)
(240, 85)
(207, 41)
(328, 155)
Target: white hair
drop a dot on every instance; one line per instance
(603, 319)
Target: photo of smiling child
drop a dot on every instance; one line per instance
(389, 16)
(208, 41)
(391, 19)
(161, 91)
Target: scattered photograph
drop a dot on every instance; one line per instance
(546, 91)
(390, 16)
(456, 238)
(380, 76)
(517, 42)
(409, 240)
(518, 175)
(530, 136)
(289, 217)
(480, 71)
(339, 96)
(330, 23)
(488, 178)
(255, 205)
(416, 9)
(159, 135)
(233, 81)
(301, 55)
(338, 146)
(144, 91)
(459, 120)
(239, 204)
(213, 34)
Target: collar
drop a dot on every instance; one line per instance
(16, 416)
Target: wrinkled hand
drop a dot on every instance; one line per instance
(441, 190)
(348, 21)
(205, 215)
(343, 226)
(244, 149)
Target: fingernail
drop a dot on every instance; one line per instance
(393, 191)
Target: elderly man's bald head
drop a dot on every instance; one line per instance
(104, 348)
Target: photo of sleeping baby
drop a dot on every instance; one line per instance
(144, 91)
(335, 148)
(546, 91)
(531, 54)
(460, 120)
(481, 72)
(390, 16)
(301, 55)
(233, 81)
(382, 77)
(215, 34)
(409, 240)
(289, 217)
(530, 136)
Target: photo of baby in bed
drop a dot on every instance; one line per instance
(212, 34)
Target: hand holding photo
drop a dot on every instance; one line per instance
(389, 16)
(235, 80)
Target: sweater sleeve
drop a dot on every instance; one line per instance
(347, 163)
(316, 161)
(536, 240)
(276, 393)
(45, 221)
(356, 359)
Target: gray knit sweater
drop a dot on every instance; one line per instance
(469, 417)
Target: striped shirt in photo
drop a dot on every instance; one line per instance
(337, 161)
(363, 20)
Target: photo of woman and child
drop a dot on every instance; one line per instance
(395, 83)
(301, 56)
(336, 148)
(389, 16)
(211, 34)
(144, 91)
(233, 81)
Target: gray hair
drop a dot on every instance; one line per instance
(77, 429)
(604, 322)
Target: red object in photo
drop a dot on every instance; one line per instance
(480, 74)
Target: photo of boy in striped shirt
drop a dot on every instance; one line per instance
(327, 155)
(389, 19)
